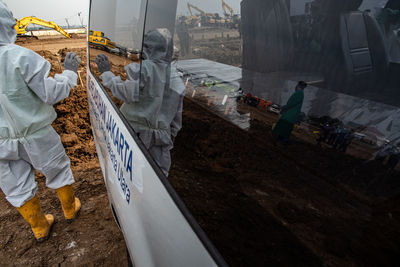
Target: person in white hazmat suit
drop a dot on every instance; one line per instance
(27, 139)
(152, 95)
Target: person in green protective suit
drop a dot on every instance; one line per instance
(290, 113)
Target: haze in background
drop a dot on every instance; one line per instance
(58, 10)
(297, 6)
(51, 10)
(209, 6)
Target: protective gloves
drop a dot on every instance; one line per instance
(71, 62)
(102, 63)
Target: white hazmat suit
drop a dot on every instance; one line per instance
(153, 96)
(27, 140)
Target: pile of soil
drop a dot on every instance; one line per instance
(73, 122)
(94, 238)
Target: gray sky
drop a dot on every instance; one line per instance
(58, 10)
(51, 10)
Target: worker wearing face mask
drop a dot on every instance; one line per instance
(152, 95)
(27, 139)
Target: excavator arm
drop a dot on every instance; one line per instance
(225, 6)
(190, 6)
(23, 23)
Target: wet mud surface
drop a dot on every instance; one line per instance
(94, 238)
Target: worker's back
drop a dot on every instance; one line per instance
(21, 109)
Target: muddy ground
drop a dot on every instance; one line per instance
(222, 45)
(93, 239)
(52, 43)
(260, 204)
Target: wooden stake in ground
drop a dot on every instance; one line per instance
(59, 64)
(79, 75)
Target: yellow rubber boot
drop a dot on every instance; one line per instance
(40, 224)
(69, 203)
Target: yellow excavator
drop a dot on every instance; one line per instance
(232, 20)
(193, 19)
(208, 19)
(190, 6)
(23, 23)
(99, 41)
(225, 7)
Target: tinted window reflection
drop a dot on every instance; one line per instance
(116, 32)
(139, 79)
(208, 38)
(292, 101)
(244, 61)
(345, 51)
(156, 115)
(289, 103)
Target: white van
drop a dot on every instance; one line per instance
(263, 48)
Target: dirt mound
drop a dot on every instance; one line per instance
(73, 122)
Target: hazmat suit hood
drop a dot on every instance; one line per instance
(157, 45)
(8, 34)
(158, 48)
(150, 105)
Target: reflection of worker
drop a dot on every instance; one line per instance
(27, 140)
(151, 106)
(172, 107)
(290, 113)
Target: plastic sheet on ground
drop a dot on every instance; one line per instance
(215, 85)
